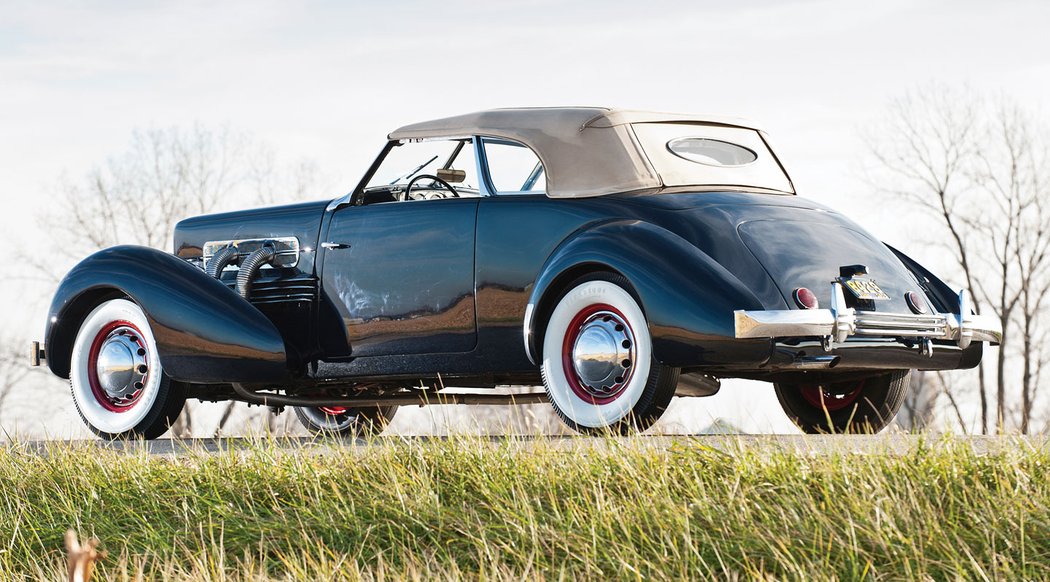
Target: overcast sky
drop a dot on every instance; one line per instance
(327, 80)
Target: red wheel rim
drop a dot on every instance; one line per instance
(568, 346)
(821, 396)
(333, 410)
(104, 400)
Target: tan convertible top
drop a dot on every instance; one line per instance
(590, 151)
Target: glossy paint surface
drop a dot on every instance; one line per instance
(943, 298)
(302, 221)
(286, 296)
(687, 297)
(204, 331)
(685, 258)
(402, 278)
(416, 289)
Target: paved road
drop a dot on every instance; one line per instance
(891, 443)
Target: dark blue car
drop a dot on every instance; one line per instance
(615, 257)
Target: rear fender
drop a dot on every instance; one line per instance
(687, 297)
(205, 332)
(945, 300)
(940, 294)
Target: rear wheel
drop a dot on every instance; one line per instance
(345, 421)
(116, 378)
(854, 406)
(598, 365)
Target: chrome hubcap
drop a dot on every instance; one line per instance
(121, 365)
(603, 354)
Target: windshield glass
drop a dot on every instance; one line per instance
(434, 157)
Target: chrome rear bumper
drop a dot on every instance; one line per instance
(842, 322)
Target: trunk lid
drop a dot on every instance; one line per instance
(776, 244)
(808, 253)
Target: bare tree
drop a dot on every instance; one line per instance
(952, 401)
(981, 171)
(917, 411)
(1023, 185)
(165, 175)
(13, 369)
(932, 146)
(274, 183)
(1011, 173)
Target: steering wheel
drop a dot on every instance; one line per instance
(412, 182)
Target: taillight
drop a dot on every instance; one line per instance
(915, 302)
(805, 298)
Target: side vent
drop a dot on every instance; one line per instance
(270, 290)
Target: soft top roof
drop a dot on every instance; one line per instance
(591, 151)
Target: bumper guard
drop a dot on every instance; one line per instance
(37, 355)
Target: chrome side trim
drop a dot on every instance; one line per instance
(526, 332)
(841, 322)
(287, 248)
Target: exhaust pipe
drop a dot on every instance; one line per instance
(815, 362)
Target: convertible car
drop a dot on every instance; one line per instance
(617, 258)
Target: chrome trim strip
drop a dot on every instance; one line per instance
(287, 247)
(526, 332)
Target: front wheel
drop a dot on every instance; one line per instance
(118, 384)
(598, 365)
(854, 406)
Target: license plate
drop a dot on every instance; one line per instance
(865, 289)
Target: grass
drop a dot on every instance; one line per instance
(468, 507)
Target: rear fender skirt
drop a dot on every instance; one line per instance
(687, 297)
(205, 332)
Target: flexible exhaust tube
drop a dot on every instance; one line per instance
(250, 267)
(220, 260)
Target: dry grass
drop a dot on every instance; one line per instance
(474, 508)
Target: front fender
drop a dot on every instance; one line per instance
(687, 297)
(205, 332)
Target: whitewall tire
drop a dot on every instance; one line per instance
(115, 374)
(597, 359)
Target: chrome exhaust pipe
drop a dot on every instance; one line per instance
(815, 362)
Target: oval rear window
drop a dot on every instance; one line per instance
(711, 152)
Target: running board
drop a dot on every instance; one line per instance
(406, 399)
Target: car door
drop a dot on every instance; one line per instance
(401, 276)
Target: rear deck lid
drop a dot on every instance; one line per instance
(804, 253)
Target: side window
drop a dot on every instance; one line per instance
(513, 167)
(411, 162)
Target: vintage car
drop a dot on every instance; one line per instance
(615, 257)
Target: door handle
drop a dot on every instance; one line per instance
(334, 245)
